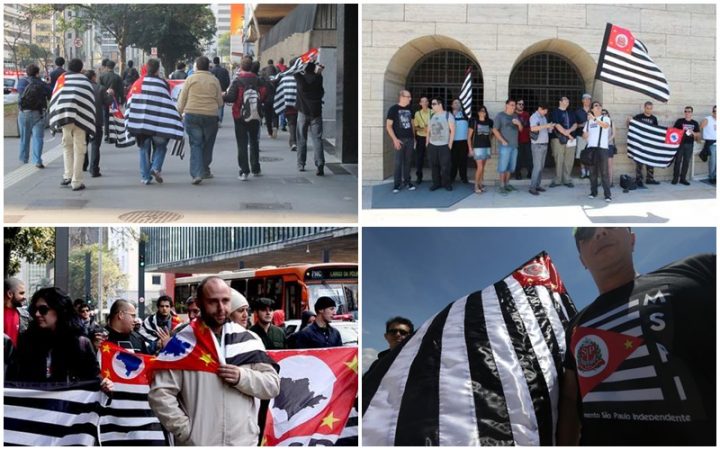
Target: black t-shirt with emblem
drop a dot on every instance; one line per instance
(402, 121)
(644, 355)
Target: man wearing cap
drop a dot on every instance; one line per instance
(320, 334)
(272, 336)
(640, 360)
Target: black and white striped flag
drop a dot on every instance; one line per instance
(286, 94)
(349, 435)
(50, 414)
(152, 111)
(483, 371)
(117, 131)
(128, 420)
(466, 93)
(624, 61)
(73, 101)
(652, 145)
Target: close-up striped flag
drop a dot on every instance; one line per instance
(625, 61)
(117, 130)
(73, 101)
(652, 145)
(483, 371)
(466, 93)
(152, 111)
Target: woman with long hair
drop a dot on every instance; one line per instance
(54, 349)
(479, 141)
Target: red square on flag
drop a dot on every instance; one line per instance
(621, 39)
(673, 136)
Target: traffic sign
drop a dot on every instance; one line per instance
(153, 51)
(78, 43)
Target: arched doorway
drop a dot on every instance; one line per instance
(542, 78)
(441, 74)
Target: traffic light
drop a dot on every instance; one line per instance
(141, 261)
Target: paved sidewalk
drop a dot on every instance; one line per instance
(281, 194)
(694, 205)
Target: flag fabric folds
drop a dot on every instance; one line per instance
(152, 111)
(299, 64)
(466, 93)
(50, 414)
(73, 101)
(117, 131)
(652, 145)
(286, 94)
(624, 61)
(483, 371)
(318, 388)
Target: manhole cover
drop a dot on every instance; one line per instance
(267, 206)
(337, 169)
(270, 159)
(150, 217)
(297, 180)
(57, 203)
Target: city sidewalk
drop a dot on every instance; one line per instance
(694, 205)
(281, 194)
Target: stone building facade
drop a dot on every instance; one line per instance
(498, 38)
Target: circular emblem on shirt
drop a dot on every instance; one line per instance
(591, 355)
(621, 41)
(535, 270)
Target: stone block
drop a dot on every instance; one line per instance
(479, 37)
(704, 24)
(391, 11)
(673, 22)
(704, 73)
(454, 13)
(599, 15)
(510, 14)
(375, 60)
(691, 47)
(675, 69)
(372, 168)
(372, 112)
(529, 37)
(549, 15)
(688, 7)
(366, 33)
(655, 43)
(396, 34)
(657, 6)
(589, 40)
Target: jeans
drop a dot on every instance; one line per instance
(32, 129)
(221, 113)
(248, 133)
(439, 161)
(682, 161)
(152, 160)
(201, 131)
(292, 128)
(420, 149)
(314, 128)
(403, 159)
(74, 149)
(539, 152)
(507, 159)
(712, 162)
(564, 159)
(458, 165)
(600, 168)
(92, 158)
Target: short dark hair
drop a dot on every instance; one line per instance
(690, 108)
(255, 67)
(130, 63)
(542, 106)
(32, 70)
(60, 61)
(270, 62)
(281, 60)
(245, 64)
(180, 66)
(438, 100)
(216, 60)
(104, 62)
(510, 100)
(111, 64)
(648, 103)
(75, 65)
(202, 63)
(400, 320)
(90, 74)
(117, 306)
(153, 66)
(163, 298)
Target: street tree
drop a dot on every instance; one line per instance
(120, 21)
(114, 279)
(32, 244)
(224, 45)
(18, 30)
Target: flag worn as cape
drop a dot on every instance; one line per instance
(73, 101)
(152, 111)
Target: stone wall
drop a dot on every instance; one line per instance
(679, 37)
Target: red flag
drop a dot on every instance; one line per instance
(175, 88)
(122, 365)
(598, 353)
(192, 348)
(317, 392)
(673, 136)
(59, 83)
(621, 39)
(135, 88)
(540, 271)
(309, 55)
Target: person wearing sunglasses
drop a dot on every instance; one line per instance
(691, 134)
(440, 138)
(397, 329)
(54, 349)
(640, 360)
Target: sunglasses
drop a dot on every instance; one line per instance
(84, 310)
(399, 331)
(585, 233)
(42, 309)
(434, 103)
(687, 111)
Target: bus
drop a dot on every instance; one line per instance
(294, 287)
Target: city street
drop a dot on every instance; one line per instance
(281, 194)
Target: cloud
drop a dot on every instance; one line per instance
(368, 356)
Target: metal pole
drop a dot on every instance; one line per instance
(62, 255)
(100, 292)
(141, 278)
(88, 276)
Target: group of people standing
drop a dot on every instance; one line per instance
(154, 116)
(447, 138)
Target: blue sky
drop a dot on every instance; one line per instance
(415, 272)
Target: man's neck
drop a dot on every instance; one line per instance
(115, 330)
(620, 276)
(424, 109)
(9, 303)
(264, 326)
(321, 323)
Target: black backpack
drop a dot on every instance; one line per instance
(34, 97)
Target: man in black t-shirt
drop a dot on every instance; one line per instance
(640, 365)
(400, 128)
(645, 117)
(691, 133)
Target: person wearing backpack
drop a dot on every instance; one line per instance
(33, 96)
(199, 101)
(247, 96)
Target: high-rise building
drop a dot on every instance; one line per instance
(15, 31)
(222, 23)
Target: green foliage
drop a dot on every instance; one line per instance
(224, 45)
(33, 244)
(113, 279)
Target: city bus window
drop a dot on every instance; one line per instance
(240, 286)
(273, 290)
(255, 289)
(292, 301)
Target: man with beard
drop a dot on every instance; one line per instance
(213, 409)
(157, 327)
(16, 318)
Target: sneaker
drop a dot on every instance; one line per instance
(196, 180)
(257, 174)
(146, 182)
(411, 187)
(534, 192)
(65, 182)
(674, 181)
(541, 189)
(418, 182)
(243, 177)
(640, 184)
(434, 188)
(570, 185)
(510, 188)
(301, 167)
(685, 182)
(608, 199)
(40, 166)
(79, 188)
(293, 148)
(591, 196)
(157, 176)
(206, 176)
(96, 174)
(553, 184)
(652, 182)
(320, 171)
